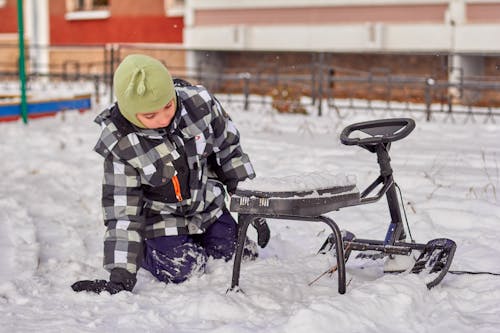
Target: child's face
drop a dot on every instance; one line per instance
(159, 118)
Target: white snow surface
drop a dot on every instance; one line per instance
(300, 182)
(51, 235)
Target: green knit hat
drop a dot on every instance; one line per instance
(142, 84)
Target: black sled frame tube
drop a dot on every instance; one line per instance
(244, 220)
(395, 230)
(398, 248)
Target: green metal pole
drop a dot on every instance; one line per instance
(22, 68)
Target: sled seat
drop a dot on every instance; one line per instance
(293, 202)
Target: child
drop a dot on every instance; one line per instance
(168, 151)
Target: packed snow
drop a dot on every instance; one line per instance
(300, 182)
(51, 234)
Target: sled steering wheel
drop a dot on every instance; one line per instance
(374, 132)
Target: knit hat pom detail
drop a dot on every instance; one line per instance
(141, 87)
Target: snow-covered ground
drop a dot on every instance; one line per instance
(51, 235)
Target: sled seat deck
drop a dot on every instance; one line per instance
(307, 203)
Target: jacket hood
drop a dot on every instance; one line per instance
(110, 135)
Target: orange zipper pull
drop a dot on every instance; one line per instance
(177, 188)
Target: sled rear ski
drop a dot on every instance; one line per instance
(434, 258)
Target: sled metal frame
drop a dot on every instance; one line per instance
(244, 220)
(251, 206)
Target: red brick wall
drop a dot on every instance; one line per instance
(8, 15)
(295, 63)
(492, 66)
(298, 62)
(137, 8)
(130, 22)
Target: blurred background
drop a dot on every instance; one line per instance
(297, 56)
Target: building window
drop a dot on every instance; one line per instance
(100, 3)
(87, 9)
(87, 5)
(174, 7)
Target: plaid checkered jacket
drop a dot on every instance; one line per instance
(167, 181)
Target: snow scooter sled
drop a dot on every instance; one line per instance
(433, 258)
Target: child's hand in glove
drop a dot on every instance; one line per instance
(120, 280)
(97, 286)
(263, 232)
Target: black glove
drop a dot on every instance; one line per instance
(97, 286)
(231, 186)
(119, 280)
(263, 232)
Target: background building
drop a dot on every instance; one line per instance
(427, 37)
(452, 41)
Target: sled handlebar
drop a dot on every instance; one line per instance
(377, 131)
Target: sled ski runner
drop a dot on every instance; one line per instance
(432, 259)
(435, 260)
(311, 204)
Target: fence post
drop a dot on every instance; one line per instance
(66, 75)
(320, 81)
(429, 83)
(199, 72)
(313, 81)
(246, 88)
(112, 59)
(331, 82)
(96, 89)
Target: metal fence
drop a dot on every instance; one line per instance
(472, 97)
(287, 89)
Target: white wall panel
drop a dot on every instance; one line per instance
(418, 37)
(478, 38)
(355, 37)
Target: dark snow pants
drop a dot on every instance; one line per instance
(176, 258)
